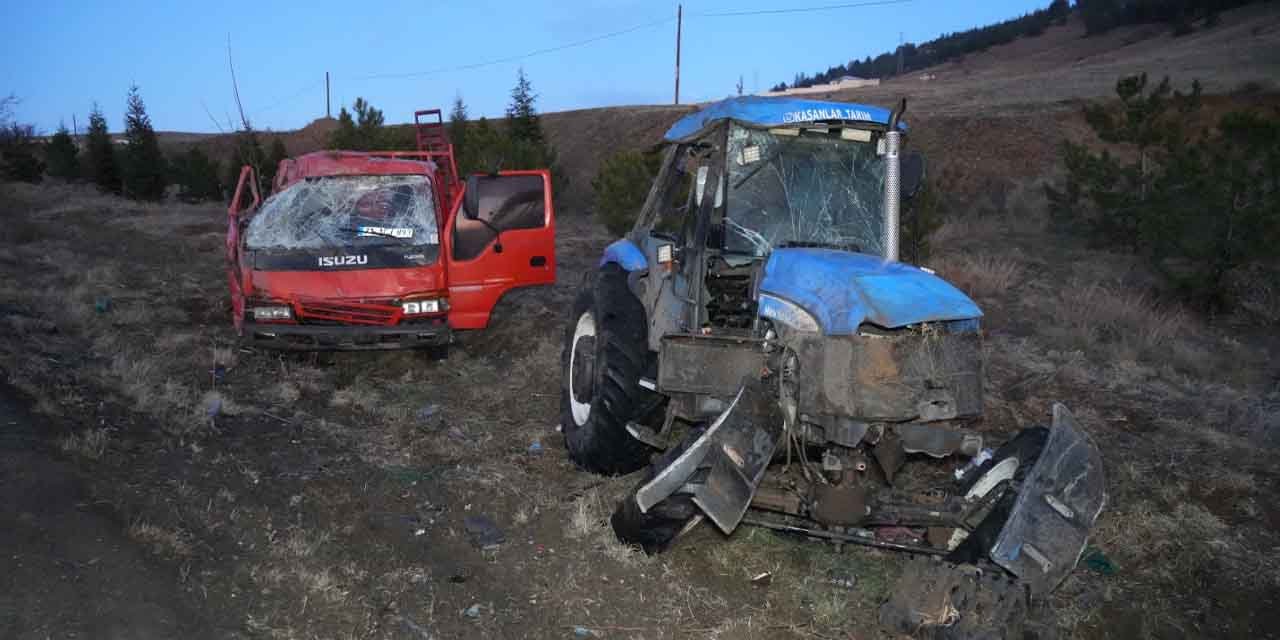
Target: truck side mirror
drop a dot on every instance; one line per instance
(471, 201)
(912, 172)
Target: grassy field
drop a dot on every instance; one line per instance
(324, 495)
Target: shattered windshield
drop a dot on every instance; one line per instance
(812, 189)
(337, 211)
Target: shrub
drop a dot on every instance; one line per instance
(62, 156)
(1197, 205)
(620, 187)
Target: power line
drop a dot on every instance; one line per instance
(830, 7)
(477, 65)
(289, 98)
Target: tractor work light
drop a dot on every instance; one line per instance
(272, 313)
(423, 307)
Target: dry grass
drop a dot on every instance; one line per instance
(163, 542)
(90, 443)
(982, 275)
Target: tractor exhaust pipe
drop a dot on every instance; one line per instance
(892, 184)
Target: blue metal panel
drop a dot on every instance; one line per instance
(843, 290)
(626, 255)
(757, 111)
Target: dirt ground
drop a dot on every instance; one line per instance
(159, 481)
(171, 483)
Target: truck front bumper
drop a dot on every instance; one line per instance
(308, 337)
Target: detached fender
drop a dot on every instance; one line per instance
(1061, 498)
(735, 450)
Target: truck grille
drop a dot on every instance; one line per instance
(347, 313)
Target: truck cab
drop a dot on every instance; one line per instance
(383, 250)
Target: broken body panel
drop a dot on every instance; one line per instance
(376, 250)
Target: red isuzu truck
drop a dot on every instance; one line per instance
(383, 250)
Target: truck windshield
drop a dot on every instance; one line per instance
(338, 211)
(812, 189)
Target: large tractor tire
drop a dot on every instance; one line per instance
(656, 530)
(1011, 463)
(605, 354)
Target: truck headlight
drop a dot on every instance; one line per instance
(422, 307)
(787, 313)
(272, 313)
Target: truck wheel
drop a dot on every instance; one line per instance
(656, 530)
(1011, 462)
(605, 354)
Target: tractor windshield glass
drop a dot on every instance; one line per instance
(347, 211)
(811, 189)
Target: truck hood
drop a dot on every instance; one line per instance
(843, 289)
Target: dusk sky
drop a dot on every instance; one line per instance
(61, 56)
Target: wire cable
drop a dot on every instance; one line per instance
(477, 65)
(830, 7)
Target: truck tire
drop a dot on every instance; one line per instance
(1012, 461)
(605, 354)
(656, 530)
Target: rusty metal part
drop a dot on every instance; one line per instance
(778, 499)
(708, 365)
(843, 505)
(937, 440)
(841, 537)
(889, 453)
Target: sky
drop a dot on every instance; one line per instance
(61, 56)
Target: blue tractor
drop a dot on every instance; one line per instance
(756, 344)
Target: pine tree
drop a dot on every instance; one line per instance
(100, 153)
(522, 115)
(274, 157)
(144, 166)
(62, 156)
(344, 136)
(197, 176)
(363, 132)
(458, 124)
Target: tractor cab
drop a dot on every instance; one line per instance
(383, 250)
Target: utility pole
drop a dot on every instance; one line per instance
(679, 24)
(327, 112)
(899, 53)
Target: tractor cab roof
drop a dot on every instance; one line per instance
(765, 112)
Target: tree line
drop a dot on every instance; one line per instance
(1099, 16)
(135, 166)
(515, 141)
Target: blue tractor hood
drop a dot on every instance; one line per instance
(843, 289)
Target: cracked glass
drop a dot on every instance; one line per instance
(347, 211)
(812, 189)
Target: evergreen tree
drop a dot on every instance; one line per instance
(363, 132)
(18, 159)
(197, 176)
(274, 157)
(522, 115)
(100, 153)
(458, 128)
(144, 165)
(62, 156)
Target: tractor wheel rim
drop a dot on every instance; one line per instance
(582, 368)
(1003, 470)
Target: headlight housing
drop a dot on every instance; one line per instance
(424, 307)
(787, 313)
(273, 313)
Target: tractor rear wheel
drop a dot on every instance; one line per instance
(605, 354)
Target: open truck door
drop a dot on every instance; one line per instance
(502, 238)
(246, 189)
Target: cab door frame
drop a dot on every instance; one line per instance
(526, 256)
